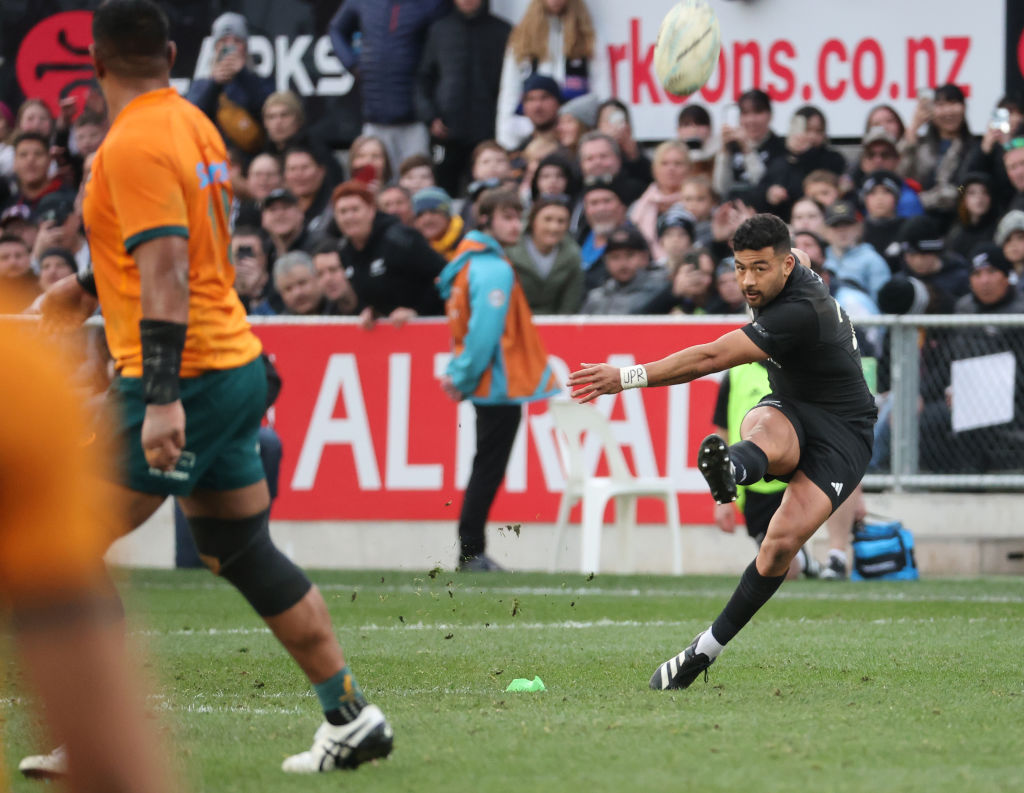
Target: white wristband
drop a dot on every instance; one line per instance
(633, 376)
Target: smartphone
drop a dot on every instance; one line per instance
(1000, 120)
(798, 125)
(693, 143)
(925, 95)
(227, 49)
(617, 120)
(731, 115)
(245, 252)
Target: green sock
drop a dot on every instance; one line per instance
(340, 697)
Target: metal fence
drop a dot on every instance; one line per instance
(951, 401)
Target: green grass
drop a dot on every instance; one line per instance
(832, 687)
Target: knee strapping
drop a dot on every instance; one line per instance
(243, 553)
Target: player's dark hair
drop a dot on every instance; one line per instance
(38, 137)
(762, 231)
(131, 37)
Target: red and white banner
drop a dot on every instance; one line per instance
(369, 435)
(843, 57)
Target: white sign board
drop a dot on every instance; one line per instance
(843, 57)
(983, 391)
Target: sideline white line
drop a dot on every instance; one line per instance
(568, 625)
(634, 592)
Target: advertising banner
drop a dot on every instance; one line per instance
(368, 433)
(843, 57)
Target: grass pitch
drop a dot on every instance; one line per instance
(832, 687)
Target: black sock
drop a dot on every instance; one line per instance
(753, 591)
(749, 462)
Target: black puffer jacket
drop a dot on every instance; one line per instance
(396, 268)
(460, 73)
(390, 45)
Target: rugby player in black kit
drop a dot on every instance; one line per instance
(814, 430)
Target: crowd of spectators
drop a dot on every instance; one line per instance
(456, 101)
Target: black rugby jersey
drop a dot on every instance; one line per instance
(813, 349)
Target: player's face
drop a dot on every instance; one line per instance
(14, 260)
(354, 218)
(299, 290)
(761, 274)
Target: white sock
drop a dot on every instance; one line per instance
(708, 644)
(836, 553)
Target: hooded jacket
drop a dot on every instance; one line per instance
(499, 358)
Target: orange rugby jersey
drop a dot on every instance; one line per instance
(52, 532)
(162, 170)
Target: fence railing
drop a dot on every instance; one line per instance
(951, 401)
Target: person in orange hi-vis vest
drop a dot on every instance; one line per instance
(499, 362)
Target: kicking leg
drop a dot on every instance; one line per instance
(770, 444)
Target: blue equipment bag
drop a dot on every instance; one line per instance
(883, 551)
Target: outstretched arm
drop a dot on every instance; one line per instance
(725, 352)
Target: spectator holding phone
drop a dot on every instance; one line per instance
(60, 226)
(233, 95)
(749, 146)
(252, 274)
(936, 148)
(693, 127)
(613, 120)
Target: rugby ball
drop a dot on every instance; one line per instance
(686, 53)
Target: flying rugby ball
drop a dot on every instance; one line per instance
(686, 53)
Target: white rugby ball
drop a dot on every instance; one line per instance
(687, 50)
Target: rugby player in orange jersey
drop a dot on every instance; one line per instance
(52, 579)
(191, 383)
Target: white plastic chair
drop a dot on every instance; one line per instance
(573, 421)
